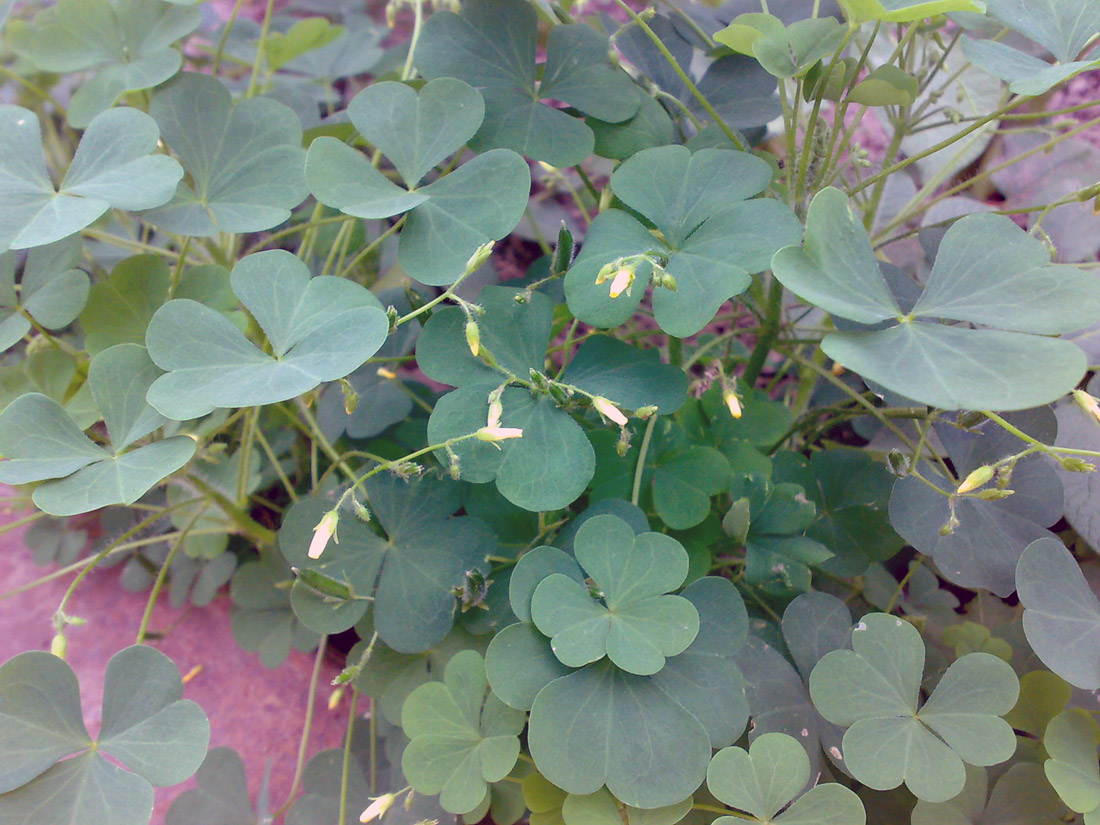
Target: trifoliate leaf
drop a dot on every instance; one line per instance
(463, 737)
(52, 290)
(113, 168)
(873, 689)
(319, 329)
(1022, 796)
(263, 620)
(1070, 738)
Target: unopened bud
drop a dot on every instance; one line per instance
(325, 530)
(59, 646)
(836, 369)
(473, 337)
(388, 374)
(495, 434)
(642, 413)
(454, 467)
(335, 697)
(480, 256)
(1087, 403)
(949, 526)
(1077, 465)
(351, 397)
(898, 463)
(976, 479)
(608, 410)
(361, 511)
(392, 316)
(733, 403)
(994, 495)
(622, 446)
(378, 807)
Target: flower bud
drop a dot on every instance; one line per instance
(495, 434)
(361, 511)
(898, 463)
(642, 413)
(378, 807)
(1087, 403)
(994, 495)
(480, 256)
(59, 646)
(622, 282)
(733, 403)
(606, 409)
(976, 479)
(325, 530)
(383, 372)
(335, 697)
(351, 397)
(473, 337)
(1077, 465)
(454, 467)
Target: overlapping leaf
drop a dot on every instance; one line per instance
(769, 777)
(244, 159)
(633, 622)
(160, 738)
(41, 441)
(221, 797)
(904, 11)
(983, 548)
(52, 290)
(784, 51)
(319, 329)
(263, 620)
(1063, 28)
(988, 272)
(1061, 613)
(714, 236)
(468, 46)
(1070, 739)
(126, 43)
(873, 690)
(449, 218)
(1020, 797)
(113, 168)
(412, 575)
(463, 736)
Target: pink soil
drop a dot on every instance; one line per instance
(257, 711)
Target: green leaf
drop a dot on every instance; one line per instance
(417, 130)
(304, 36)
(127, 43)
(462, 735)
(630, 377)
(1061, 613)
(904, 11)
(1070, 740)
(466, 46)
(713, 238)
(601, 808)
(783, 52)
(650, 127)
(886, 86)
(1021, 797)
(634, 624)
(244, 159)
(52, 291)
(873, 690)
(988, 271)
(112, 168)
(1025, 74)
(452, 216)
(119, 309)
(319, 329)
(119, 377)
(768, 776)
(1063, 27)
(221, 797)
(601, 725)
(851, 492)
(160, 738)
(546, 469)
(514, 334)
(41, 441)
(263, 620)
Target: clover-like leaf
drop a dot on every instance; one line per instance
(633, 621)
(127, 43)
(463, 736)
(1061, 613)
(601, 808)
(160, 738)
(467, 46)
(784, 51)
(714, 237)
(665, 724)
(1021, 797)
(221, 797)
(52, 290)
(873, 690)
(983, 544)
(450, 217)
(41, 441)
(320, 329)
(113, 168)
(412, 575)
(1070, 739)
(851, 493)
(263, 620)
(904, 11)
(766, 778)
(244, 158)
(771, 522)
(987, 272)
(1062, 28)
(546, 469)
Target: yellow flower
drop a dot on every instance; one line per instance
(622, 282)
(494, 434)
(608, 410)
(733, 403)
(378, 807)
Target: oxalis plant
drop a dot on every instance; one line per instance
(664, 445)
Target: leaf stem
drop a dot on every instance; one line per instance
(639, 468)
(307, 723)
